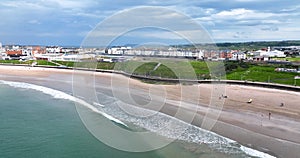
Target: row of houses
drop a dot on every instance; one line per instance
(75, 54)
(17, 52)
(40, 49)
(258, 55)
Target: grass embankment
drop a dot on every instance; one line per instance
(66, 63)
(166, 69)
(297, 59)
(45, 62)
(28, 62)
(262, 73)
(291, 59)
(211, 70)
(145, 69)
(187, 69)
(92, 65)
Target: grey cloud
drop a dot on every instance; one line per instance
(240, 35)
(271, 28)
(147, 18)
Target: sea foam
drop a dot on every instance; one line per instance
(60, 95)
(156, 123)
(174, 128)
(255, 153)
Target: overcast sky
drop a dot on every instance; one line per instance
(68, 22)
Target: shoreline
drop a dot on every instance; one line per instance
(173, 81)
(238, 120)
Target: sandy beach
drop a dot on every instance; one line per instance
(270, 123)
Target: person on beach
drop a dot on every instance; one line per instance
(282, 104)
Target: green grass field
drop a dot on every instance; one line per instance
(263, 74)
(187, 69)
(45, 62)
(14, 62)
(297, 59)
(291, 59)
(28, 62)
(66, 63)
(166, 69)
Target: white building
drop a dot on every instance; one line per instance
(48, 56)
(27, 51)
(77, 57)
(53, 49)
(16, 47)
(238, 56)
(3, 55)
(271, 53)
(69, 50)
(261, 58)
(118, 50)
(2, 50)
(277, 53)
(64, 57)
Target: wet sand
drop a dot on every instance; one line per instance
(270, 123)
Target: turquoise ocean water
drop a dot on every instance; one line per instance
(36, 124)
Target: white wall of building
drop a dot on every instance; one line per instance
(53, 49)
(238, 56)
(271, 53)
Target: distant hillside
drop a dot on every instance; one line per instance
(257, 45)
(244, 45)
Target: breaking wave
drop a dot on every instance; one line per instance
(109, 108)
(171, 127)
(60, 95)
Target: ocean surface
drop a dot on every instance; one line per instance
(38, 121)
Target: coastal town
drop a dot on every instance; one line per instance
(276, 64)
(150, 79)
(276, 54)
